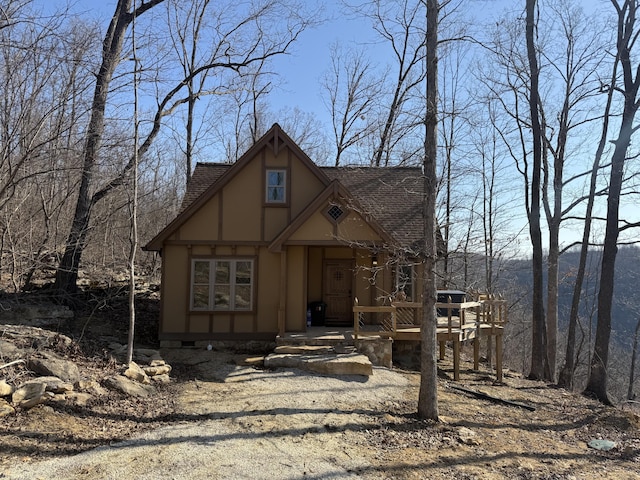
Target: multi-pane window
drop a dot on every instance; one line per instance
(222, 284)
(276, 191)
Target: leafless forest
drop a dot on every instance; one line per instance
(536, 165)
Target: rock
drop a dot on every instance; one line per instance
(467, 436)
(146, 354)
(36, 315)
(352, 364)
(5, 389)
(244, 361)
(304, 349)
(5, 408)
(157, 363)
(53, 384)
(30, 394)
(161, 379)
(91, 386)
(79, 398)
(52, 365)
(128, 387)
(134, 372)
(8, 351)
(159, 370)
(604, 445)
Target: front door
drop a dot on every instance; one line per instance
(338, 282)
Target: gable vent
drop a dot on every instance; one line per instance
(335, 212)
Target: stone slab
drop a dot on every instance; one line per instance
(328, 364)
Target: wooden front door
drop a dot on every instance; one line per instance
(338, 283)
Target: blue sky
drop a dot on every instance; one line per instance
(301, 70)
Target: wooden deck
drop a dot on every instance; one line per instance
(466, 322)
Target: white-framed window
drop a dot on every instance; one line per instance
(405, 281)
(276, 187)
(222, 284)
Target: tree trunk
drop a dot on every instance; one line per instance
(539, 364)
(428, 395)
(598, 377)
(565, 378)
(634, 356)
(67, 273)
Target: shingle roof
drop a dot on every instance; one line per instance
(392, 195)
(203, 176)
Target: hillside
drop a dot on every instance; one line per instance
(218, 411)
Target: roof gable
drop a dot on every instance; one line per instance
(388, 199)
(209, 179)
(392, 195)
(334, 191)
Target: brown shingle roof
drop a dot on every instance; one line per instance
(392, 195)
(203, 176)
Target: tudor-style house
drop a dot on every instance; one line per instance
(259, 241)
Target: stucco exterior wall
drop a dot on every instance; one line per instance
(296, 310)
(175, 285)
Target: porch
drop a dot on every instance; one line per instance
(375, 328)
(458, 323)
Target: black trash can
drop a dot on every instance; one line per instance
(457, 296)
(318, 313)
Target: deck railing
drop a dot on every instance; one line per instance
(457, 323)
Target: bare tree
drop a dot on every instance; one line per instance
(566, 375)
(539, 361)
(352, 88)
(428, 394)
(399, 24)
(243, 42)
(189, 20)
(43, 81)
(575, 62)
(626, 36)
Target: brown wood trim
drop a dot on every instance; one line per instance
(289, 183)
(263, 182)
(163, 287)
(327, 243)
(282, 307)
(256, 287)
(187, 317)
(214, 243)
(271, 336)
(305, 278)
(220, 213)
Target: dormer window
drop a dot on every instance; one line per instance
(276, 188)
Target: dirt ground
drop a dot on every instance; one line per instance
(475, 439)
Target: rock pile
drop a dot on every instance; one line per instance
(31, 373)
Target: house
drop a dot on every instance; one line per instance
(256, 242)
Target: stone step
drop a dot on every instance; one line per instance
(325, 363)
(320, 338)
(314, 349)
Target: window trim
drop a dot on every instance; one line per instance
(412, 280)
(211, 285)
(284, 186)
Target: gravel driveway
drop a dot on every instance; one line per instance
(241, 422)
